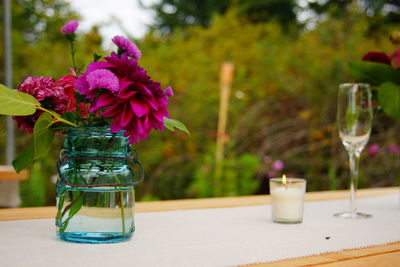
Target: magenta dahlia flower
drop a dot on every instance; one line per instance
(70, 27)
(48, 93)
(127, 46)
(139, 106)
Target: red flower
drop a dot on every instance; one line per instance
(83, 109)
(378, 57)
(67, 83)
(50, 96)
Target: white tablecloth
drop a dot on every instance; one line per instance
(208, 237)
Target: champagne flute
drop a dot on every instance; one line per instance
(354, 119)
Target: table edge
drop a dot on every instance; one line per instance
(10, 214)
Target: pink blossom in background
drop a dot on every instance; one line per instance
(396, 57)
(267, 159)
(128, 46)
(139, 106)
(277, 165)
(394, 148)
(48, 93)
(271, 174)
(70, 27)
(373, 149)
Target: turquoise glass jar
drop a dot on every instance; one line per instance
(96, 186)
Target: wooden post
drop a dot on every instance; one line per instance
(226, 78)
(9, 190)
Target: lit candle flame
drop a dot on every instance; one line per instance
(284, 182)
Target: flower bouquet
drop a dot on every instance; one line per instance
(102, 111)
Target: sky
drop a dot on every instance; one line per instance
(119, 17)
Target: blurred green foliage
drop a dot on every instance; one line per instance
(178, 14)
(282, 105)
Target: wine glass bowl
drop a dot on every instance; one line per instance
(354, 120)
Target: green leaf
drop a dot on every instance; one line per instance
(373, 73)
(13, 102)
(73, 208)
(42, 135)
(25, 159)
(76, 206)
(171, 124)
(389, 99)
(60, 205)
(96, 57)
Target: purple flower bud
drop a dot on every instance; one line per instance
(168, 92)
(70, 27)
(128, 46)
(373, 149)
(394, 148)
(277, 165)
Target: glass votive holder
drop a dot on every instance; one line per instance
(287, 199)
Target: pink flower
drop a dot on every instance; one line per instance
(394, 148)
(70, 27)
(271, 174)
(67, 83)
(139, 106)
(127, 46)
(373, 149)
(277, 165)
(378, 57)
(396, 57)
(103, 78)
(48, 93)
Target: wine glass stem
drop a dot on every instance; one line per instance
(354, 161)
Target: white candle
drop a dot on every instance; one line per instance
(287, 201)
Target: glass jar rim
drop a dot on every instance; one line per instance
(352, 84)
(84, 129)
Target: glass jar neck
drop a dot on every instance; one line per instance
(96, 141)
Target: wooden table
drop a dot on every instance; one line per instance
(384, 255)
(7, 173)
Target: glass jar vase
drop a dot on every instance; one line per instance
(96, 186)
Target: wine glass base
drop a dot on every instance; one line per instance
(351, 215)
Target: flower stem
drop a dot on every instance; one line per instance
(73, 55)
(69, 206)
(56, 116)
(121, 203)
